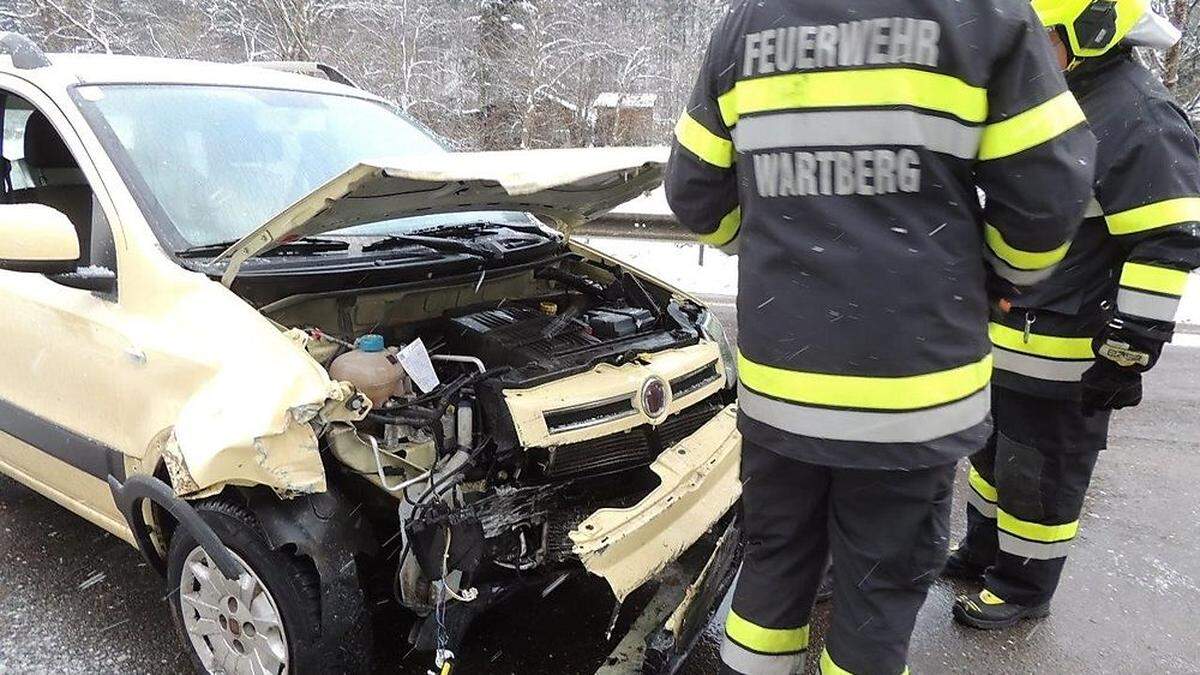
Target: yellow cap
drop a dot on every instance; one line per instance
(1092, 26)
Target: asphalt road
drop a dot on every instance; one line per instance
(76, 600)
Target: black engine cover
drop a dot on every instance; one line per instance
(539, 346)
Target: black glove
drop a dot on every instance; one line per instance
(1107, 386)
(1132, 344)
(1124, 350)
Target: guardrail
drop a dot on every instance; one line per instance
(636, 226)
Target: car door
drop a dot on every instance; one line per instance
(64, 362)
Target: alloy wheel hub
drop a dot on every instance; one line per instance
(234, 625)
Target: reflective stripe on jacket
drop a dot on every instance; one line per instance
(841, 150)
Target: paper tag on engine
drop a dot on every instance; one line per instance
(415, 361)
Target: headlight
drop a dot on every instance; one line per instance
(711, 328)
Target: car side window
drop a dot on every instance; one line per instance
(43, 170)
(16, 116)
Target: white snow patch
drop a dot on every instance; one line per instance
(616, 99)
(677, 263)
(650, 204)
(1189, 310)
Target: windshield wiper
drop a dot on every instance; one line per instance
(298, 246)
(435, 243)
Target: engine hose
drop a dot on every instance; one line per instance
(443, 401)
(439, 486)
(576, 281)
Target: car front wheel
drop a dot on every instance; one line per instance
(266, 622)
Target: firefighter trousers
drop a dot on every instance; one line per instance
(1026, 492)
(888, 535)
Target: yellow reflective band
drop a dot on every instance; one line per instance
(828, 667)
(1022, 260)
(855, 88)
(990, 598)
(1153, 216)
(1154, 279)
(765, 640)
(984, 488)
(1031, 128)
(727, 230)
(703, 143)
(1036, 531)
(1041, 345)
(875, 393)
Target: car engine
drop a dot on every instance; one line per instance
(478, 511)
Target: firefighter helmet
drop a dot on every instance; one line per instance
(1092, 27)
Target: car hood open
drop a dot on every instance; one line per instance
(566, 186)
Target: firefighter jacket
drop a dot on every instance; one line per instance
(1133, 253)
(841, 147)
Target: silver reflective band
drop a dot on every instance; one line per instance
(852, 129)
(983, 506)
(1014, 275)
(916, 426)
(1147, 305)
(1040, 368)
(745, 661)
(1032, 549)
(1094, 210)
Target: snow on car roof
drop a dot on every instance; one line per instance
(122, 69)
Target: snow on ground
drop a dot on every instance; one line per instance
(1189, 313)
(678, 264)
(650, 204)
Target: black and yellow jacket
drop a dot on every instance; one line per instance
(840, 147)
(1133, 253)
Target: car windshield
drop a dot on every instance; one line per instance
(220, 161)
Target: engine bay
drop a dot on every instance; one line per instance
(439, 457)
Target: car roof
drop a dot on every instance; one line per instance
(122, 69)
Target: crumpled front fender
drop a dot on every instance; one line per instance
(249, 431)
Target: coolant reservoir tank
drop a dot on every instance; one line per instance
(370, 367)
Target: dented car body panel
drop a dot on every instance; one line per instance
(599, 397)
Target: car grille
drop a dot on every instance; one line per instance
(601, 412)
(636, 448)
(581, 417)
(682, 386)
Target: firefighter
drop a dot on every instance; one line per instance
(840, 146)
(1070, 351)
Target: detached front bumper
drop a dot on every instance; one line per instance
(661, 639)
(632, 546)
(699, 484)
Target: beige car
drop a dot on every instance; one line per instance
(263, 327)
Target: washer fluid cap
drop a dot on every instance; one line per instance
(371, 343)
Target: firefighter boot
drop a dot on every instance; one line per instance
(959, 565)
(987, 611)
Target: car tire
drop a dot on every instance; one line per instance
(287, 589)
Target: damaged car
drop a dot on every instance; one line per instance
(268, 330)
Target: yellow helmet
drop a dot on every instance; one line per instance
(1092, 26)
